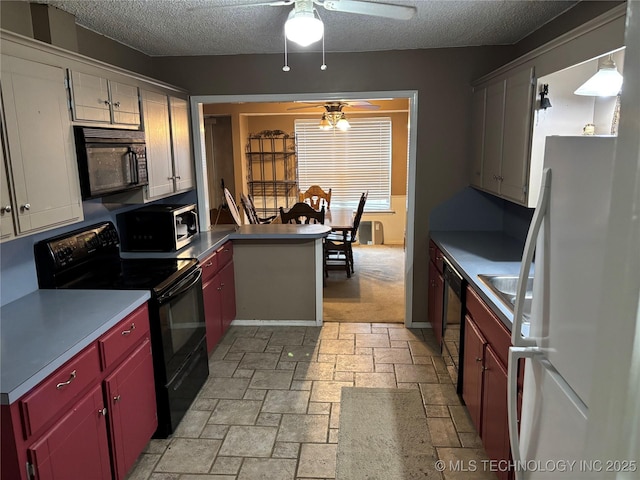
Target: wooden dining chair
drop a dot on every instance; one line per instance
(302, 213)
(250, 211)
(316, 197)
(338, 250)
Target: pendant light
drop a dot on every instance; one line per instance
(605, 83)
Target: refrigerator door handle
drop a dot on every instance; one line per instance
(515, 354)
(517, 339)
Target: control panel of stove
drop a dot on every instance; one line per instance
(72, 248)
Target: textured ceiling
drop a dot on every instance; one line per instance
(222, 27)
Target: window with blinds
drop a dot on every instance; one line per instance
(349, 162)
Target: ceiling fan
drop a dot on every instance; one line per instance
(363, 7)
(336, 107)
(334, 117)
(304, 25)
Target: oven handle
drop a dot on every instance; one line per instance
(182, 287)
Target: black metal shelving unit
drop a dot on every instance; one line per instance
(272, 171)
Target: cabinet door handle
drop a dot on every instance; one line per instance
(107, 102)
(478, 359)
(116, 398)
(131, 328)
(103, 412)
(26, 206)
(6, 209)
(177, 177)
(116, 104)
(208, 264)
(64, 384)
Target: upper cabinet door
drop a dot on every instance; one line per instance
(41, 151)
(516, 145)
(478, 104)
(96, 99)
(181, 143)
(493, 134)
(125, 104)
(155, 107)
(7, 230)
(90, 98)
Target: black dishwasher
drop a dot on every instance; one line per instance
(453, 322)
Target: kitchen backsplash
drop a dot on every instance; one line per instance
(473, 210)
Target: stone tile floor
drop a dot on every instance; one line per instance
(271, 406)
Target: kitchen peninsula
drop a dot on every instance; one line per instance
(278, 270)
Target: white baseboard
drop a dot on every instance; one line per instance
(275, 323)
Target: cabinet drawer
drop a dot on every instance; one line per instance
(490, 325)
(49, 397)
(209, 267)
(124, 336)
(225, 254)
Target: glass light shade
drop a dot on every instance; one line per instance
(605, 83)
(343, 124)
(325, 124)
(303, 28)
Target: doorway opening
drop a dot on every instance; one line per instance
(202, 107)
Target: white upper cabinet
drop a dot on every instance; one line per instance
(42, 171)
(183, 166)
(155, 107)
(96, 99)
(169, 153)
(501, 135)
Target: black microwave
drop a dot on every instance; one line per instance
(110, 160)
(157, 228)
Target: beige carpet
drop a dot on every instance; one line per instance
(383, 435)
(374, 293)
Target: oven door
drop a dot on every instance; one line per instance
(181, 319)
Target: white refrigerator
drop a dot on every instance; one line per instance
(567, 244)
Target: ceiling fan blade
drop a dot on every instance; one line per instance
(276, 3)
(305, 107)
(364, 107)
(398, 12)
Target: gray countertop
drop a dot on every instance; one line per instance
(206, 242)
(474, 253)
(43, 330)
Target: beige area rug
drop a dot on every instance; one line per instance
(374, 293)
(383, 435)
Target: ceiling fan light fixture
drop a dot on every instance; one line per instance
(303, 27)
(605, 83)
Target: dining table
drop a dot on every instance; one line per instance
(340, 219)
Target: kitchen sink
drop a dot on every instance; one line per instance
(505, 287)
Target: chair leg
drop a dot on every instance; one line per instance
(350, 257)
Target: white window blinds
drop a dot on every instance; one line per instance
(349, 162)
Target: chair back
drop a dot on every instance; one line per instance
(358, 216)
(249, 209)
(316, 197)
(302, 213)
